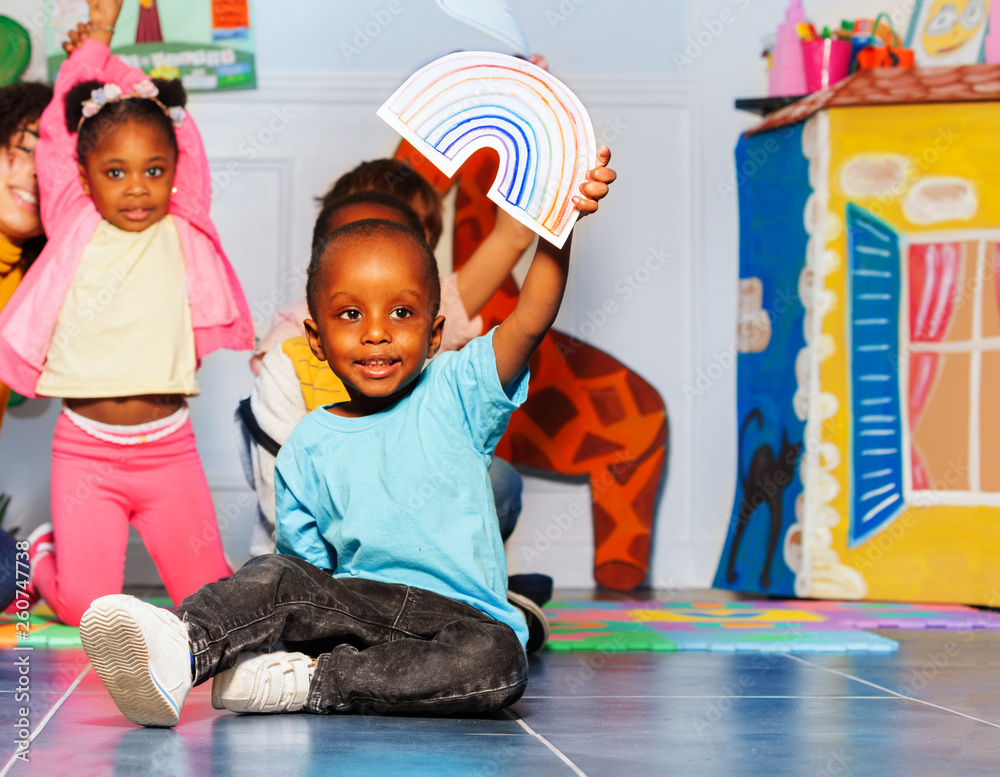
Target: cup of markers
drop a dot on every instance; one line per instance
(826, 58)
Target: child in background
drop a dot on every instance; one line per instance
(21, 233)
(399, 598)
(131, 292)
(21, 240)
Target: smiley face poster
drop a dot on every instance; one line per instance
(948, 32)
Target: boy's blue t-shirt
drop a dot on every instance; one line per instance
(404, 496)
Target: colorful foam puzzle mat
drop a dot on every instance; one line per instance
(41, 630)
(793, 626)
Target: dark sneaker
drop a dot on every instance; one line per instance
(538, 624)
(535, 586)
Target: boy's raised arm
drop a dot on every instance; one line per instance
(542, 291)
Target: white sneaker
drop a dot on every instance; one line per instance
(40, 544)
(142, 655)
(264, 682)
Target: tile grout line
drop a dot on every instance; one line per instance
(887, 690)
(514, 716)
(48, 716)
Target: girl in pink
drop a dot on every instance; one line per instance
(131, 291)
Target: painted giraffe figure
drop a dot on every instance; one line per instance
(586, 413)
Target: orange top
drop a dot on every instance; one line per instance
(10, 275)
(10, 270)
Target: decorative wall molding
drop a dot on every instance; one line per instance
(323, 87)
(283, 167)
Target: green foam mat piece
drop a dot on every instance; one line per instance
(45, 631)
(54, 635)
(627, 626)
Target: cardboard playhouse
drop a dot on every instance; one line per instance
(869, 337)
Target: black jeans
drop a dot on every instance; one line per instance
(380, 648)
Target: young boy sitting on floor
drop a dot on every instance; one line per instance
(390, 568)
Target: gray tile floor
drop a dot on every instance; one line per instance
(930, 709)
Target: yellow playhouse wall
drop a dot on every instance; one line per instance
(931, 552)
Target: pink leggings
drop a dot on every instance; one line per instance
(98, 489)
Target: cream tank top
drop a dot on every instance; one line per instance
(124, 328)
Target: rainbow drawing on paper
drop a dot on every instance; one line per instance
(467, 101)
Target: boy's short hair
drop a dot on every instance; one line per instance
(368, 230)
(396, 177)
(367, 197)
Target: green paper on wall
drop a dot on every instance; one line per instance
(208, 45)
(15, 50)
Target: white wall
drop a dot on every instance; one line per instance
(672, 128)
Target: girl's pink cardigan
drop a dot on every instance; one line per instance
(219, 310)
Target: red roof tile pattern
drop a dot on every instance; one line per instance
(900, 86)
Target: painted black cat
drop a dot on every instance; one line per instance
(764, 483)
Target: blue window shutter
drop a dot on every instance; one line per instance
(874, 281)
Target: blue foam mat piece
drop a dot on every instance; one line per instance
(783, 642)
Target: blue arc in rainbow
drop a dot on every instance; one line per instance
(467, 101)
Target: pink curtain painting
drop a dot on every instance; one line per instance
(148, 29)
(934, 270)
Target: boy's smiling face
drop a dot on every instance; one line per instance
(374, 323)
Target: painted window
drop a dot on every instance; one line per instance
(953, 349)
(924, 333)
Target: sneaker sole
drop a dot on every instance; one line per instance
(117, 650)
